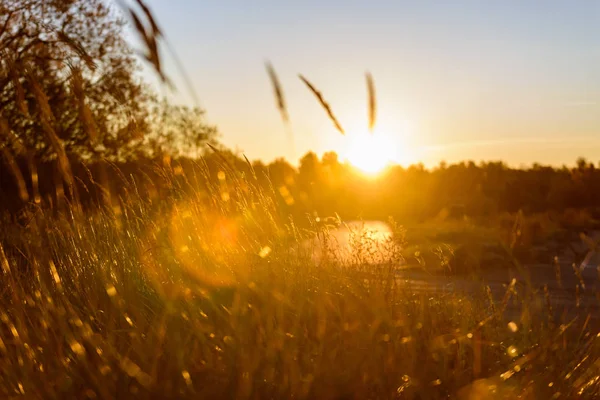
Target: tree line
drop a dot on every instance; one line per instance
(325, 186)
(78, 125)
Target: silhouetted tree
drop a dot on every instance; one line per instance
(67, 78)
(69, 94)
(178, 131)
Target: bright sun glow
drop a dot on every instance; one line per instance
(371, 152)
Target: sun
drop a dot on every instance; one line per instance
(371, 152)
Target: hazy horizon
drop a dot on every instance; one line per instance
(462, 81)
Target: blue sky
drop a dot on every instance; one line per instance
(481, 80)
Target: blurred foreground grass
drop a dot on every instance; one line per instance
(220, 297)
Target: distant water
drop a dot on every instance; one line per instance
(344, 240)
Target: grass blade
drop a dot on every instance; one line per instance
(372, 102)
(156, 31)
(281, 105)
(324, 104)
(278, 92)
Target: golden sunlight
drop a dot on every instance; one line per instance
(372, 152)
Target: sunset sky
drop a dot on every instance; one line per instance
(481, 80)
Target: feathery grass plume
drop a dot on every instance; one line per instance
(35, 178)
(18, 147)
(77, 48)
(85, 114)
(221, 156)
(372, 102)
(13, 140)
(281, 105)
(40, 98)
(16, 171)
(156, 31)
(324, 104)
(10, 68)
(133, 129)
(250, 166)
(8, 133)
(46, 120)
(148, 36)
(278, 90)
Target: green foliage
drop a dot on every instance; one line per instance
(47, 44)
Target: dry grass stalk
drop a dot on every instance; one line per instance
(155, 29)
(78, 49)
(19, 92)
(35, 179)
(149, 37)
(281, 105)
(221, 156)
(46, 120)
(16, 171)
(41, 99)
(13, 140)
(324, 104)
(57, 146)
(372, 102)
(250, 166)
(278, 92)
(85, 114)
(10, 136)
(10, 68)
(134, 129)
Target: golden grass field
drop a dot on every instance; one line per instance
(208, 299)
(219, 293)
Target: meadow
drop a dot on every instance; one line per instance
(208, 299)
(130, 269)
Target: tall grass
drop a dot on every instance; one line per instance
(221, 297)
(218, 294)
